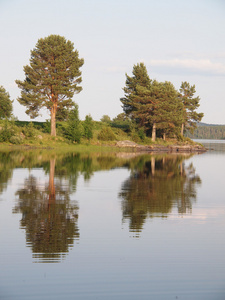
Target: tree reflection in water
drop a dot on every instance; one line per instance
(48, 216)
(155, 187)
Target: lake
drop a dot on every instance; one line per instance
(112, 226)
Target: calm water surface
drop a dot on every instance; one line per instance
(119, 226)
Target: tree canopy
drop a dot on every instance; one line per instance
(52, 77)
(5, 104)
(152, 104)
(190, 104)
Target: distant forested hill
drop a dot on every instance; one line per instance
(207, 131)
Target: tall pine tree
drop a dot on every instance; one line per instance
(52, 78)
(159, 108)
(140, 78)
(190, 104)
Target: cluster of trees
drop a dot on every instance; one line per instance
(155, 105)
(54, 76)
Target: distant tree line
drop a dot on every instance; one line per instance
(216, 132)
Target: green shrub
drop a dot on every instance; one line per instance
(47, 126)
(106, 134)
(124, 125)
(135, 137)
(88, 127)
(6, 132)
(29, 130)
(16, 139)
(141, 134)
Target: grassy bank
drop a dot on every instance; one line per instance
(36, 135)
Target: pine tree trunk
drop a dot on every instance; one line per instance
(182, 129)
(53, 123)
(153, 132)
(153, 165)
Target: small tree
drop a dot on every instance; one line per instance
(105, 119)
(63, 112)
(74, 129)
(190, 104)
(88, 127)
(52, 78)
(122, 121)
(106, 134)
(5, 104)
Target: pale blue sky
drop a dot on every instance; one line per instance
(178, 40)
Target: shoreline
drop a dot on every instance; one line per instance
(160, 148)
(126, 146)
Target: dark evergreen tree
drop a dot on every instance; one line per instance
(52, 78)
(168, 109)
(62, 113)
(140, 78)
(5, 104)
(74, 130)
(190, 104)
(88, 127)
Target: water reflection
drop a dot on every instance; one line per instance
(5, 170)
(48, 216)
(155, 186)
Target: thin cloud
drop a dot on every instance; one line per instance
(203, 66)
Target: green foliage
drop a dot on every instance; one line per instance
(106, 134)
(88, 127)
(190, 103)
(141, 134)
(16, 139)
(6, 132)
(47, 126)
(62, 113)
(140, 78)
(105, 119)
(52, 77)
(168, 115)
(5, 104)
(206, 131)
(28, 130)
(122, 122)
(154, 105)
(74, 129)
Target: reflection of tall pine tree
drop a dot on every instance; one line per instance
(157, 187)
(49, 217)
